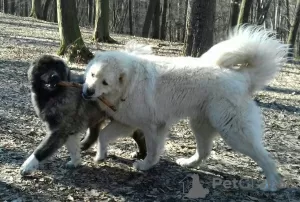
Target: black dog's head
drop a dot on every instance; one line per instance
(46, 72)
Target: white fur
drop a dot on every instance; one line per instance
(213, 91)
(29, 165)
(73, 146)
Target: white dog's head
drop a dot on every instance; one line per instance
(107, 74)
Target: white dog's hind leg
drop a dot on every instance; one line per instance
(155, 142)
(204, 135)
(240, 127)
(111, 132)
(73, 146)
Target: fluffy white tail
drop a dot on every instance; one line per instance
(251, 50)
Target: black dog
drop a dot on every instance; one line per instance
(65, 113)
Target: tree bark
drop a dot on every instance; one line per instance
(155, 21)
(163, 27)
(46, 9)
(263, 12)
(287, 3)
(294, 29)
(185, 22)
(26, 8)
(244, 11)
(148, 19)
(55, 11)
(90, 11)
(36, 9)
(234, 13)
(101, 31)
(130, 17)
(12, 7)
(71, 42)
(200, 27)
(5, 6)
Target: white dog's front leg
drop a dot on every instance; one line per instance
(110, 133)
(73, 146)
(155, 142)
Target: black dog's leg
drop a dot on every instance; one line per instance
(139, 138)
(50, 144)
(90, 137)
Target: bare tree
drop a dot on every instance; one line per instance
(263, 12)
(163, 27)
(5, 6)
(36, 9)
(90, 11)
(101, 31)
(294, 28)
(12, 7)
(130, 17)
(200, 27)
(234, 12)
(71, 41)
(244, 11)
(46, 8)
(155, 21)
(148, 19)
(55, 11)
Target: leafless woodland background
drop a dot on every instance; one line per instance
(23, 38)
(279, 17)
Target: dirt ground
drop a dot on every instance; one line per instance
(22, 39)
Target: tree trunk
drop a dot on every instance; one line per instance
(36, 9)
(90, 11)
(5, 6)
(200, 28)
(46, 9)
(101, 32)
(148, 19)
(71, 42)
(55, 11)
(185, 22)
(163, 21)
(155, 21)
(244, 11)
(234, 13)
(130, 17)
(287, 3)
(294, 29)
(263, 11)
(26, 8)
(12, 7)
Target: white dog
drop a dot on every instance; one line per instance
(214, 92)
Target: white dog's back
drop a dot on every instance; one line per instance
(214, 91)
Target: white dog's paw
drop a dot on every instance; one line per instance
(142, 165)
(271, 185)
(29, 165)
(187, 162)
(73, 164)
(100, 157)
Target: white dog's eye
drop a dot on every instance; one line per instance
(104, 83)
(93, 75)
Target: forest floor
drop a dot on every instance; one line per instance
(23, 39)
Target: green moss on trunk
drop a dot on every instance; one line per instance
(71, 42)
